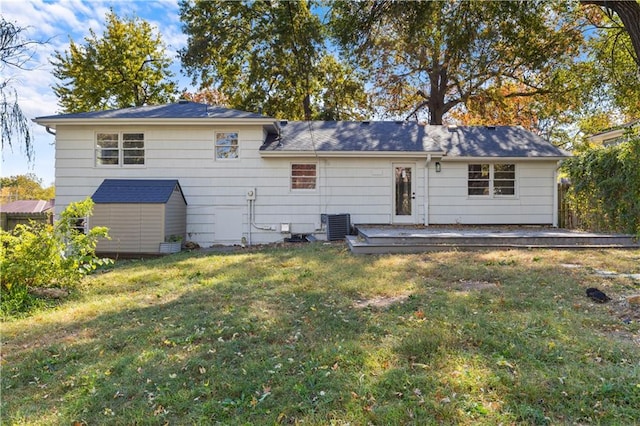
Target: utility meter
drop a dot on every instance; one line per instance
(251, 194)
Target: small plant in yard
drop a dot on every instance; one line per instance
(42, 255)
(312, 335)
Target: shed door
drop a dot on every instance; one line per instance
(404, 193)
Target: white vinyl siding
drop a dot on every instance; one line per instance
(450, 203)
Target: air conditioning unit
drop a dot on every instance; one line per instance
(338, 226)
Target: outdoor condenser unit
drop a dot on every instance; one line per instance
(338, 226)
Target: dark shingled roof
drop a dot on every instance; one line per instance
(384, 136)
(176, 110)
(147, 191)
(400, 136)
(498, 141)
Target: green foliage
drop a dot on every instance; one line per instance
(439, 55)
(314, 336)
(270, 56)
(615, 74)
(605, 186)
(43, 255)
(127, 67)
(24, 187)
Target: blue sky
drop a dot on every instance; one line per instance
(57, 21)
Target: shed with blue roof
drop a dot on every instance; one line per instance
(141, 214)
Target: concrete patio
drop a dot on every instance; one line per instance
(371, 239)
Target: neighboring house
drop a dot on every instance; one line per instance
(615, 135)
(25, 211)
(250, 178)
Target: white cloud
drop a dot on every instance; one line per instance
(56, 21)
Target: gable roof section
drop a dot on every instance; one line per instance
(352, 136)
(27, 206)
(184, 111)
(499, 141)
(134, 191)
(323, 137)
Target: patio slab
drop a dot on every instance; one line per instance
(373, 239)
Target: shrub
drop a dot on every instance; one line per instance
(43, 255)
(605, 187)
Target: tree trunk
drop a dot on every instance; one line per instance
(629, 13)
(438, 80)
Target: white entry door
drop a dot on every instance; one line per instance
(404, 193)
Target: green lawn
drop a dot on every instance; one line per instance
(313, 335)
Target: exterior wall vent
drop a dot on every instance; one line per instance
(338, 226)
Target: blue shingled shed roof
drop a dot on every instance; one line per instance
(134, 191)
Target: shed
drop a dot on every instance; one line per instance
(140, 214)
(25, 212)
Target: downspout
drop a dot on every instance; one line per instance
(249, 222)
(555, 194)
(426, 190)
(48, 129)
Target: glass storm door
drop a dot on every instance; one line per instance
(404, 193)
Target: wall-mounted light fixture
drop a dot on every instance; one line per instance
(438, 167)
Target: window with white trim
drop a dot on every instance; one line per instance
(491, 180)
(303, 175)
(120, 149)
(226, 145)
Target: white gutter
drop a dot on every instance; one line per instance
(350, 154)
(53, 122)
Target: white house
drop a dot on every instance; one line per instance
(616, 134)
(250, 178)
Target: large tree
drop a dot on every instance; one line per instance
(269, 56)
(628, 11)
(16, 52)
(126, 67)
(440, 55)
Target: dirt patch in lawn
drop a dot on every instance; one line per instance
(381, 302)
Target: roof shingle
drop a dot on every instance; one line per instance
(145, 191)
(180, 109)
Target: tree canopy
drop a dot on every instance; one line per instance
(24, 187)
(440, 55)
(126, 67)
(269, 56)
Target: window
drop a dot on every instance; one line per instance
(504, 179)
(120, 149)
(479, 179)
(303, 176)
(133, 148)
(492, 180)
(226, 145)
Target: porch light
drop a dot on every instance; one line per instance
(438, 167)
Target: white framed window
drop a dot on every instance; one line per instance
(226, 145)
(491, 180)
(304, 176)
(120, 149)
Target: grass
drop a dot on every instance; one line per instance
(287, 336)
